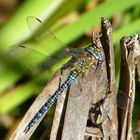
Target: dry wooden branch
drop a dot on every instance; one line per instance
(138, 69)
(41, 99)
(111, 125)
(130, 52)
(104, 100)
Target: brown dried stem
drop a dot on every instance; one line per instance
(130, 48)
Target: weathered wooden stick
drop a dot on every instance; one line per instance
(111, 124)
(102, 121)
(41, 99)
(130, 48)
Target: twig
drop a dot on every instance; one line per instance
(103, 111)
(41, 99)
(111, 125)
(130, 47)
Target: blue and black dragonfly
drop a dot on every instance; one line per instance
(89, 55)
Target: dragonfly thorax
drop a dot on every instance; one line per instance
(94, 51)
(82, 64)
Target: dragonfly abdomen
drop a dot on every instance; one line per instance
(50, 102)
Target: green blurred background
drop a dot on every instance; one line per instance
(72, 22)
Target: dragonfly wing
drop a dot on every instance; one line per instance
(42, 32)
(29, 59)
(26, 56)
(31, 54)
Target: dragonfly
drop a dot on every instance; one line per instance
(89, 55)
(78, 68)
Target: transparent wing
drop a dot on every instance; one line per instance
(25, 57)
(28, 59)
(45, 50)
(46, 40)
(42, 32)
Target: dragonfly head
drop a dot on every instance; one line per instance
(94, 51)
